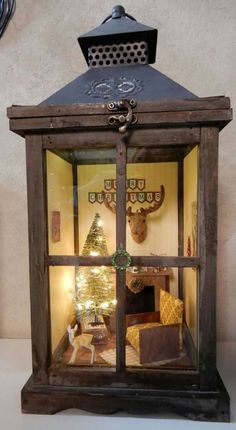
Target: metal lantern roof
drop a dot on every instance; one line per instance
(120, 28)
(118, 53)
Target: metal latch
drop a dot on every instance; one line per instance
(122, 120)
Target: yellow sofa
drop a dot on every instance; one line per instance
(157, 335)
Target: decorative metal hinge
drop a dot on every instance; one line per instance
(122, 120)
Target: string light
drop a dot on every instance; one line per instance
(94, 253)
(105, 305)
(96, 271)
(94, 287)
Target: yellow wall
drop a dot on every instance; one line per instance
(60, 198)
(162, 225)
(62, 286)
(190, 275)
(162, 236)
(91, 179)
(62, 279)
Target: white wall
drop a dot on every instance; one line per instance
(39, 54)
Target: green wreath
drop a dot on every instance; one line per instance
(136, 286)
(120, 253)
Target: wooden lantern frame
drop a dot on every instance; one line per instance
(173, 127)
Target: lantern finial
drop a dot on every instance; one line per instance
(117, 11)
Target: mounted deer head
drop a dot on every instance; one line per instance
(138, 220)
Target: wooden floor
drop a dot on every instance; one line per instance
(84, 356)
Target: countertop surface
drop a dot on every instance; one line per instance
(15, 369)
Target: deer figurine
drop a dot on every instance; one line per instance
(78, 341)
(137, 220)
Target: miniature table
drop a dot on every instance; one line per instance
(99, 332)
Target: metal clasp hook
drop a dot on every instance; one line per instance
(123, 120)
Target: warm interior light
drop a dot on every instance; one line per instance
(105, 305)
(88, 304)
(94, 253)
(100, 223)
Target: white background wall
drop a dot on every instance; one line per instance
(39, 54)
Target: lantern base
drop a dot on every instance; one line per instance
(194, 405)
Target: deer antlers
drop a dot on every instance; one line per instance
(145, 212)
(149, 210)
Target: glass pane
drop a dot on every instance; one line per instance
(62, 290)
(190, 203)
(83, 308)
(60, 205)
(190, 295)
(75, 184)
(161, 318)
(162, 201)
(152, 204)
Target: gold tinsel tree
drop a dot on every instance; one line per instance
(95, 294)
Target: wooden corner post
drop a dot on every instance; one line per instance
(207, 216)
(39, 294)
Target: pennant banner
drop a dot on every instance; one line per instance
(133, 184)
(131, 197)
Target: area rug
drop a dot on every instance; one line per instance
(132, 358)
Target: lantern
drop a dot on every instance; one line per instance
(122, 207)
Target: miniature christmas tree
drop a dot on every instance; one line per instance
(95, 243)
(95, 294)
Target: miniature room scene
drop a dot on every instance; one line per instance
(161, 310)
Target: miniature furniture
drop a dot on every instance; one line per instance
(145, 331)
(99, 332)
